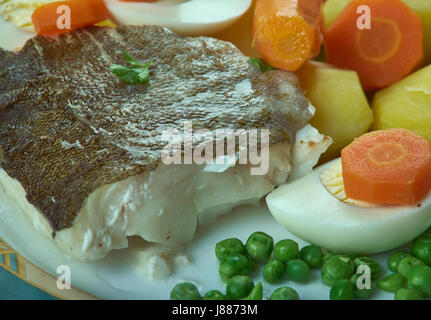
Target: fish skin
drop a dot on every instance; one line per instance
(56, 92)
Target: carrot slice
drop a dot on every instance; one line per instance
(82, 12)
(382, 55)
(387, 167)
(287, 33)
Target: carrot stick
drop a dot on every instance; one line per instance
(382, 55)
(387, 167)
(287, 33)
(82, 12)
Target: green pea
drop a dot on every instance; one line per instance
(391, 282)
(298, 271)
(256, 293)
(229, 247)
(371, 263)
(406, 264)
(336, 268)
(359, 289)
(214, 295)
(395, 258)
(259, 246)
(342, 290)
(284, 293)
(352, 256)
(239, 287)
(233, 266)
(408, 294)
(185, 291)
(312, 255)
(286, 250)
(420, 279)
(421, 249)
(274, 271)
(329, 255)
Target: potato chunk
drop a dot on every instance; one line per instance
(406, 104)
(423, 10)
(342, 110)
(332, 9)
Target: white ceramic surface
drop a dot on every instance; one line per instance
(114, 278)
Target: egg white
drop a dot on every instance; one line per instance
(192, 17)
(306, 209)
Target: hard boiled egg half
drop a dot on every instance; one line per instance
(186, 17)
(316, 209)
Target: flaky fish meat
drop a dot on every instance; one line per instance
(81, 151)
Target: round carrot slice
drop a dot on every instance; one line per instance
(387, 167)
(383, 54)
(288, 32)
(284, 41)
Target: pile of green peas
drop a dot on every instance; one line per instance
(341, 272)
(411, 277)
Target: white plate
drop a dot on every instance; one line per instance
(113, 278)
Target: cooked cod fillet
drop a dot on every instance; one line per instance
(80, 151)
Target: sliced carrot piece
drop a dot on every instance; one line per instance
(287, 33)
(382, 55)
(387, 167)
(82, 12)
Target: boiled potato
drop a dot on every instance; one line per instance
(423, 10)
(406, 104)
(342, 110)
(332, 9)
